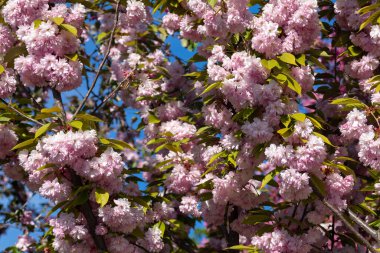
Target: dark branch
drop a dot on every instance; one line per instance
(116, 21)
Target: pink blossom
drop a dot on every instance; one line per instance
(189, 206)
(25, 243)
(122, 217)
(369, 150)
(171, 22)
(355, 125)
(6, 39)
(153, 240)
(22, 12)
(181, 180)
(364, 68)
(66, 148)
(259, 131)
(55, 190)
(294, 186)
(177, 129)
(8, 139)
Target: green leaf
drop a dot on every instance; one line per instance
(2, 69)
(285, 132)
(212, 86)
(72, 57)
(270, 64)
(299, 117)
(101, 36)
(301, 60)
(346, 170)
(212, 2)
(79, 200)
(369, 20)
(58, 20)
(76, 124)
(203, 129)
(51, 110)
(122, 145)
(4, 119)
(46, 166)
(286, 120)
(197, 58)
(354, 51)
(375, 223)
(317, 184)
(317, 62)
(324, 138)
(101, 197)
(256, 218)
(351, 102)
(294, 85)
(374, 79)
(43, 129)
(161, 226)
(315, 122)
(288, 58)
(216, 156)
(193, 74)
(242, 247)
(159, 5)
(152, 119)
(163, 71)
(269, 177)
(345, 158)
(37, 23)
(24, 144)
(368, 8)
(367, 208)
(13, 53)
(205, 196)
(281, 78)
(244, 115)
(156, 141)
(70, 29)
(56, 207)
(88, 117)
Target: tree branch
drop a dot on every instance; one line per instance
(21, 113)
(116, 21)
(346, 222)
(363, 225)
(86, 210)
(113, 93)
(58, 98)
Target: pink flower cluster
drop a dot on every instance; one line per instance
(47, 43)
(280, 241)
(286, 26)
(8, 139)
(122, 217)
(8, 83)
(218, 21)
(6, 39)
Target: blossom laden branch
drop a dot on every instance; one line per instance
(116, 21)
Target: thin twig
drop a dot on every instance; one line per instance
(112, 94)
(139, 246)
(116, 21)
(21, 113)
(58, 98)
(333, 234)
